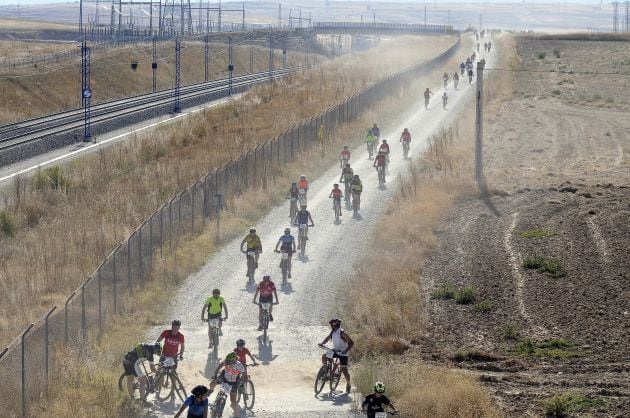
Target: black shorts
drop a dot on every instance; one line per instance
(266, 299)
(214, 315)
(130, 370)
(235, 385)
(343, 360)
(194, 416)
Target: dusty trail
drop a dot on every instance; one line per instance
(290, 360)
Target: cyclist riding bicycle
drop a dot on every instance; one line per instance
(214, 306)
(303, 183)
(346, 174)
(444, 100)
(173, 340)
(267, 290)
(242, 353)
(344, 155)
(302, 218)
(370, 140)
(342, 344)
(253, 243)
(133, 368)
(470, 76)
(232, 371)
(380, 161)
(356, 186)
(427, 95)
(405, 136)
(462, 68)
(336, 194)
(293, 191)
(287, 245)
(445, 78)
(197, 403)
(376, 132)
(455, 79)
(377, 401)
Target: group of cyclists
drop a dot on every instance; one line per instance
(233, 368)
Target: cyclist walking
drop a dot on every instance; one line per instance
(173, 340)
(342, 344)
(133, 368)
(197, 403)
(377, 401)
(287, 245)
(214, 306)
(267, 291)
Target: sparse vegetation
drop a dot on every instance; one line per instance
(7, 224)
(536, 233)
(473, 355)
(553, 348)
(445, 291)
(563, 404)
(484, 306)
(541, 55)
(509, 331)
(545, 265)
(556, 53)
(555, 92)
(466, 296)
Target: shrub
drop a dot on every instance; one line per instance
(483, 306)
(509, 331)
(556, 92)
(553, 348)
(556, 53)
(567, 403)
(445, 291)
(473, 355)
(541, 55)
(51, 177)
(466, 296)
(543, 265)
(7, 224)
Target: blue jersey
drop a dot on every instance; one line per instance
(302, 217)
(287, 239)
(195, 409)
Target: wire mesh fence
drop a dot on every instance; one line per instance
(31, 362)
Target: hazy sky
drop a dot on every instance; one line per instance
(25, 2)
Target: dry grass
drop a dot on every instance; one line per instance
(23, 49)
(423, 391)
(65, 232)
(28, 25)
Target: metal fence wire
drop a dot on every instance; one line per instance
(30, 363)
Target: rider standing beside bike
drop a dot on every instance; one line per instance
(197, 403)
(214, 306)
(377, 401)
(232, 371)
(287, 245)
(342, 344)
(267, 290)
(253, 244)
(173, 340)
(132, 365)
(302, 218)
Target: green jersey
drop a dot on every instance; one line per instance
(215, 305)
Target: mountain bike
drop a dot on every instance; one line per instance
(151, 378)
(302, 197)
(293, 207)
(337, 208)
(217, 407)
(356, 203)
(251, 265)
(346, 192)
(246, 391)
(405, 145)
(343, 162)
(370, 149)
(215, 333)
(167, 382)
(329, 372)
(284, 265)
(264, 321)
(303, 237)
(381, 175)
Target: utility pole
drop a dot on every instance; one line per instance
(615, 15)
(425, 17)
(205, 52)
(284, 53)
(280, 15)
(479, 129)
(219, 18)
(154, 64)
(86, 91)
(176, 106)
(230, 66)
(251, 54)
(243, 26)
(270, 57)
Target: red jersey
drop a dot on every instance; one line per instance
(302, 184)
(379, 160)
(241, 353)
(406, 136)
(345, 155)
(266, 288)
(171, 343)
(384, 148)
(336, 193)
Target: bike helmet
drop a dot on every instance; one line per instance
(287, 230)
(303, 176)
(379, 387)
(230, 358)
(405, 129)
(252, 229)
(266, 277)
(335, 322)
(199, 390)
(356, 176)
(293, 184)
(345, 147)
(384, 141)
(240, 342)
(347, 165)
(176, 323)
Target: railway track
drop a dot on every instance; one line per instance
(21, 133)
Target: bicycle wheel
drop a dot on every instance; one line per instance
(285, 272)
(334, 382)
(215, 338)
(219, 404)
(122, 383)
(336, 214)
(249, 394)
(178, 386)
(320, 380)
(163, 387)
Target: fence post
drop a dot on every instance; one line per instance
(46, 368)
(100, 303)
(114, 280)
(66, 314)
(129, 262)
(140, 267)
(24, 411)
(192, 209)
(83, 318)
(151, 241)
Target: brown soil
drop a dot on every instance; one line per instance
(558, 164)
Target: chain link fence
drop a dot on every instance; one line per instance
(32, 360)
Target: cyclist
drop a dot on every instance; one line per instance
(376, 132)
(478, 46)
(357, 187)
(473, 57)
(293, 196)
(242, 353)
(377, 401)
(346, 173)
(336, 194)
(302, 185)
(444, 100)
(214, 306)
(197, 403)
(253, 243)
(132, 365)
(455, 80)
(489, 45)
(470, 76)
(445, 78)
(427, 95)
(173, 340)
(267, 290)
(232, 371)
(405, 136)
(302, 218)
(380, 161)
(344, 156)
(462, 68)
(342, 344)
(287, 245)
(369, 140)
(469, 64)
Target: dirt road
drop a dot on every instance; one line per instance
(284, 382)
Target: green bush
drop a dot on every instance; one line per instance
(536, 233)
(542, 55)
(543, 265)
(556, 92)
(7, 224)
(563, 404)
(51, 177)
(483, 306)
(556, 53)
(509, 331)
(466, 296)
(445, 291)
(552, 348)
